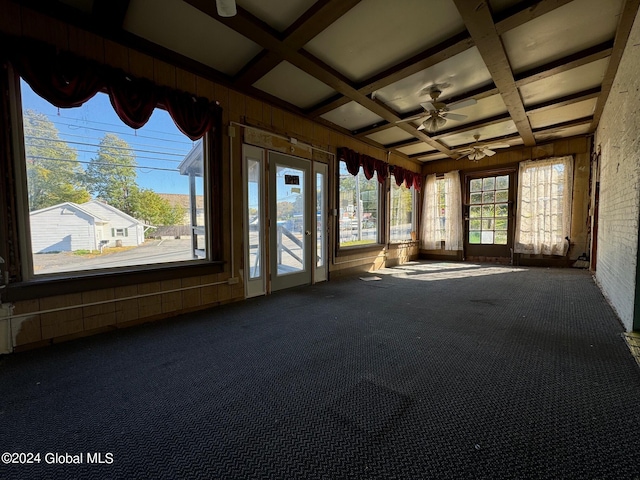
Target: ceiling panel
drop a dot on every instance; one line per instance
(377, 34)
(292, 85)
(352, 116)
(458, 74)
(566, 83)
(553, 116)
(496, 130)
(563, 133)
(278, 14)
(498, 6)
(415, 149)
(568, 29)
(390, 135)
(182, 28)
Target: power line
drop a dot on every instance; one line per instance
(174, 170)
(125, 149)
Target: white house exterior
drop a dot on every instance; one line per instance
(68, 227)
(119, 226)
(65, 227)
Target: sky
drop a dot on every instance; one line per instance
(159, 146)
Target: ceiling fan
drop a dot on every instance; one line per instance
(477, 150)
(226, 8)
(437, 113)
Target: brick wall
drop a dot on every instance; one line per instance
(617, 139)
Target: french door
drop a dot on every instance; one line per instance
(489, 214)
(284, 221)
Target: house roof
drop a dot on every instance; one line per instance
(96, 205)
(527, 71)
(72, 206)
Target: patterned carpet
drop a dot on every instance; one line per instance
(430, 370)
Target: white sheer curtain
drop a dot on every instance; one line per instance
(544, 206)
(442, 213)
(430, 225)
(453, 211)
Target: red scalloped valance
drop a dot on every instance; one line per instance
(68, 81)
(355, 160)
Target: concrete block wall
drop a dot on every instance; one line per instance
(617, 140)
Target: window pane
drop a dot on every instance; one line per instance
(489, 183)
(502, 182)
(475, 185)
(502, 195)
(488, 197)
(487, 237)
(487, 224)
(474, 224)
(401, 212)
(358, 208)
(474, 238)
(500, 238)
(476, 198)
(501, 224)
(475, 212)
(103, 195)
(254, 205)
(502, 210)
(487, 211)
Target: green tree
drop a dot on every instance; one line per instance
(112, 174)
(155, 210)
(54, 174)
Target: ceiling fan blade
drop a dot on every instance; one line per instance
(428, 106)
(421, 127)
(454, 116)
(487, 152)
(462, 104)
(498, 145)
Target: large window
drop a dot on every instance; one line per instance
(103, 195)
(359, 208)
(401, 213)
(544, 206)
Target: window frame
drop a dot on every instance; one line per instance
(381, 220)
(24, 285)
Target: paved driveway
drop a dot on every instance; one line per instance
(151, 252)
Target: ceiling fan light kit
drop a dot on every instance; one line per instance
(476, 151)
(438, 113)
(226, 8)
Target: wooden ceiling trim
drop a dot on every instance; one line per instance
(579, 59)
(476, 15)
(311, 23)
(247, 25)
(530, 12)
(625, 22)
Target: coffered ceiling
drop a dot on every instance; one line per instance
(536, 70)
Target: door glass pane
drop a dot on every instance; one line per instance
(320, 215)
(254, 211)
(290, 221)
(489, 197)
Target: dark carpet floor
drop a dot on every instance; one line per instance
(437, 370)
